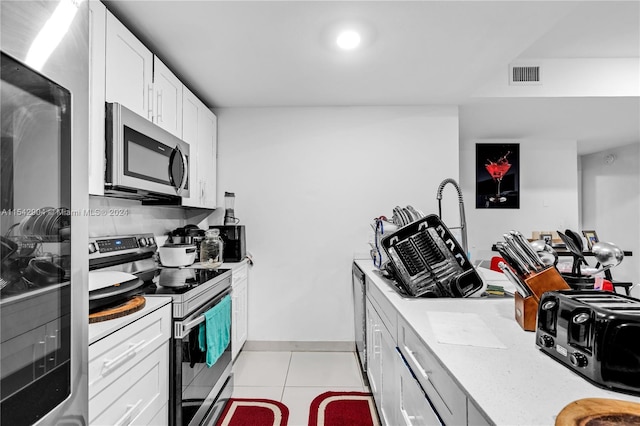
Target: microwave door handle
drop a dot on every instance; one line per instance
(185, 177)
(179, 188)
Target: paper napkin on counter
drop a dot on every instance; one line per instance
(456, 328)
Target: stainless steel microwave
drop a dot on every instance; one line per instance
(143, 161)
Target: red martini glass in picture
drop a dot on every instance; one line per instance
(497, 175)
(497, 170)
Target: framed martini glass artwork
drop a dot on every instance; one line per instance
(497, 176)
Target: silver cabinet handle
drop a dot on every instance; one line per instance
(128, 415)
(110, 364)
(159, 114)
(424, 373)
(150, 102)
(407, 418)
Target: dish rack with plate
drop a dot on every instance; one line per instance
(427, 260)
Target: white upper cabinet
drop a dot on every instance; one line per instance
(97, 23)
(199, 130)
(129, 69)
(123, 70)
(167, 98)
(207, 155)
(190, 106)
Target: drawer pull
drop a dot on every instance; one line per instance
(424, 373)
(408, 420)
(377, 343)
(111, 364)
(129, 414)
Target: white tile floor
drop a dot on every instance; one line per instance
(295, 378)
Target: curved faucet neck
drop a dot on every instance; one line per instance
(463, 222)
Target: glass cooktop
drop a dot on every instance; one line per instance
(179, 280)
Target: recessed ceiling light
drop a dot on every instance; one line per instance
(348, 40)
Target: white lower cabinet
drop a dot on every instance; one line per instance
(409, 386)
(381, 366)
(414, 407)
(129, 373)
(445, 395)
(239, 304)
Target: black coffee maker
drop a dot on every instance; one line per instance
(235, 246)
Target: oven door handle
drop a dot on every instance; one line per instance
(188, 326)
(182, 328)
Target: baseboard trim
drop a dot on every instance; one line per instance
(299, 346)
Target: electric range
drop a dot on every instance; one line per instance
(198, 389)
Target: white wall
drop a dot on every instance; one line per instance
(308, 182)
(610, 205)
(548, 193)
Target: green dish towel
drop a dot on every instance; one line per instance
(215, 332)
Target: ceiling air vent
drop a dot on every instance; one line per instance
(524, 75)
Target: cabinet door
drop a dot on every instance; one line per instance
(374, 366)
(239, 324)
(207, 156)
(97, 55)
(129, 69)
(190, 115)
(167, 98)
(389, 377)
(414, 408)
(443, 392)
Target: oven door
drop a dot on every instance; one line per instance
(196, 387)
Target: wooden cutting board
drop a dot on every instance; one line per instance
(599, 412)
(130, 306)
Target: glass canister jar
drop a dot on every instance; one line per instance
(211, 249)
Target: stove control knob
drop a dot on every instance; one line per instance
(93, 248)
(578, 359)
(545, 341)
(143, 242)
(152, 241)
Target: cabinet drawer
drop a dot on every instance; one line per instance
(442, 391)
(240, 273)
(414, 407)
(134, 398)
(116, 354)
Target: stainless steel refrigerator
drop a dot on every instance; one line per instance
(43, 204)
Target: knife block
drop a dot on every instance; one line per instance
(526, 311)
(526, 308)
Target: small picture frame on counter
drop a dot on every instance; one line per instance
(591, 238)
(546, 237)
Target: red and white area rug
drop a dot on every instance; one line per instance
(253, 412)
(343, 409)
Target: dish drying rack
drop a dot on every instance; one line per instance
(428, 261)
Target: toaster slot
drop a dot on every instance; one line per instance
(548, 315)
(580, 327)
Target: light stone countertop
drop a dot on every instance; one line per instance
(514, 385)
(102, 329)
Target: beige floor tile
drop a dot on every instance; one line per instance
(324, 369)
(253, 368)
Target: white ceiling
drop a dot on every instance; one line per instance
(279, 53)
